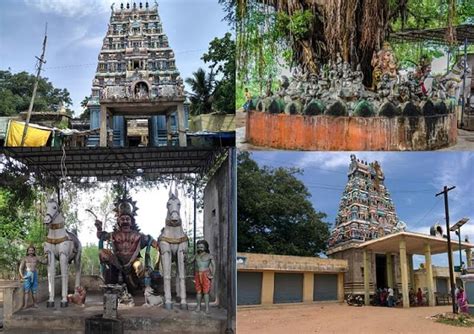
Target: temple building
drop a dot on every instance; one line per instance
(378, 249)
(366, 212)
(137, 80)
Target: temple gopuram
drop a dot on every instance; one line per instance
(136, 79)
(366, 212)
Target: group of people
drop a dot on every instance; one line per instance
(385, 297)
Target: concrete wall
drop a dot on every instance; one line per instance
(212, 123)
(272, 266)
(297, 132)
(438, 273)
(217, 210)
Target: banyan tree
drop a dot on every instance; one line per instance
(309, 33)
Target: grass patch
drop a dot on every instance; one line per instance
(461, 321)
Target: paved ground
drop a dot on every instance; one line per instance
(465, 142)
(340, 318)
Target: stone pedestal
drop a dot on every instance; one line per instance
(111, 297)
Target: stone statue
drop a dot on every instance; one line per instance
(204, 268)
(60, 245)
(384, 62)
(152, 299)
(122, 260)
(174, 246)
(30, 277)
(79, 296)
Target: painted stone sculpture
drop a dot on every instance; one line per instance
(60, 245)
(122, 261)
(29, 275)
(204, 268)
(173, 245)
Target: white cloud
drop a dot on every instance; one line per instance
(71, 8)
(337, 160)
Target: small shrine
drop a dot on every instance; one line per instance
(136, 76)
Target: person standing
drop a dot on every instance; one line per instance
(248, 100)
(30, 277)
(390, 297)
(419, 297)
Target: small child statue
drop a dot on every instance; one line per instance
(204, 268)
(30, 278)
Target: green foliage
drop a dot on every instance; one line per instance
(85, 115)
(20, 222)
(275, 215)
(16, 91)
(90, 260)
(202, 85)
(296, 24)
(221, 56)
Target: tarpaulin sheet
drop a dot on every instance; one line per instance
(35, 136)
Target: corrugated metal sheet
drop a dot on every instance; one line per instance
(249, 288)
(288, 288)
(325, 287)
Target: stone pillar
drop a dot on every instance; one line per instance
(268, 286)
(8, 302)
(411, 271)
(340, 287)
(469, 258)
(181, 127)
(404, 272)
(429, 276)
(366, 277)
(103, 126)
(168, 129)
(388, 257)
(308, 285)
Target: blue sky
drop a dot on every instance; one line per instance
(413, 179)
(76, 29)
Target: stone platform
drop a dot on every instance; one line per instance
(136, 320)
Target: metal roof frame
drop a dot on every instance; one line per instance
(437, 35)
(116, 163)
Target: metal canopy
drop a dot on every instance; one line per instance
(438, 35)
(415, 243)
(116, 163)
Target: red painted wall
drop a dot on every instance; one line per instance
(329, 133)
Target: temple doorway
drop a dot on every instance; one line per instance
(137, 132)
(381, 270)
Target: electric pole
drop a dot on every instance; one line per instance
(450, 254)
(30, 108)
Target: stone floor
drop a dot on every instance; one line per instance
(137, 319)
(465, 142)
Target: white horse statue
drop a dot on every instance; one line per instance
(173, 246)
(60, 245)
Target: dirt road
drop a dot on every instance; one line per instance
(339, 318)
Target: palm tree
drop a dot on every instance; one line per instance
(203, 86)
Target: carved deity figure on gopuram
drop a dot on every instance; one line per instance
(366, 210)
(122, 260)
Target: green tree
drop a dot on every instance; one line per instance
(16, 91)
(275, 215)
(221, 59)
(85, 115)
(202, 85)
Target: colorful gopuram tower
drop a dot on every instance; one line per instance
(136, 75)
(366, 212)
